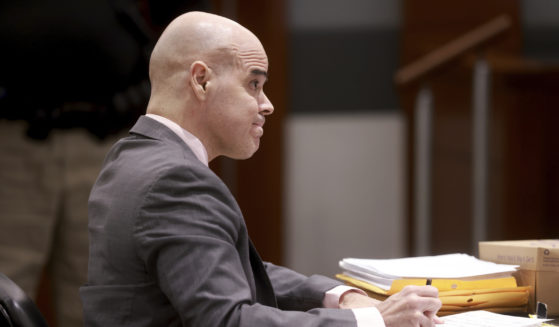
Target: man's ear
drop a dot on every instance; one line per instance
(199, 78)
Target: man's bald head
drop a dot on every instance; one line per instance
(207, 74)
(196, 36)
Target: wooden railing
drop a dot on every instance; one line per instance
(438, 58)
(421, 71)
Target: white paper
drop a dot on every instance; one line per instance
(457, 266)
(488, 319)
(382, 272)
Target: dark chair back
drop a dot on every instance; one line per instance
(16, 308)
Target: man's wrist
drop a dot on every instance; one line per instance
(353, 299)
(333, 297)
(361, 305)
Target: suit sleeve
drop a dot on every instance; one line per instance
(295, 291)
(186, 233)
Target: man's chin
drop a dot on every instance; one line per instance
(243, 155)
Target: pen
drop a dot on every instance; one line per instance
(428, 281)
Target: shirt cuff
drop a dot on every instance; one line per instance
(368, 317)
(332, 297)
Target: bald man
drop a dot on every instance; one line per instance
(168, 243)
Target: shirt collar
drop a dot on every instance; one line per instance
(191, 141)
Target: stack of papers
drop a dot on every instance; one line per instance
(382, 273)
(464, 282)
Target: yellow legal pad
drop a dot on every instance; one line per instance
(497, 295)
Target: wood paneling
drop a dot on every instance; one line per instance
(523, 185)
(526, 103)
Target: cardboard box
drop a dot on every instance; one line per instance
(539, 267)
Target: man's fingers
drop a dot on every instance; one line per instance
(425, 321)
(438, 320)
(413, 306)
(427, 298)
(433, 316)
(429, 291)
(432, 304)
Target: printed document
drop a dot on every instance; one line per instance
(488, 319)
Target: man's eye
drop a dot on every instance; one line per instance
(254, 84)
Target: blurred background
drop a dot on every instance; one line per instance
(341, 152)
(340, 172)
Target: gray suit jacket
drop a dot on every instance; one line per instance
(169, 247)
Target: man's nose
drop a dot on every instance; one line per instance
(266, 107)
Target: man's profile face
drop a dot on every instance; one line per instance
(238, 104)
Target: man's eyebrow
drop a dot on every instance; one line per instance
(257, 71)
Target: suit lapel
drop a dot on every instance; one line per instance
(264, 291)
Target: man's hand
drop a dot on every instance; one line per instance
(352, 300)
(413, 306)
